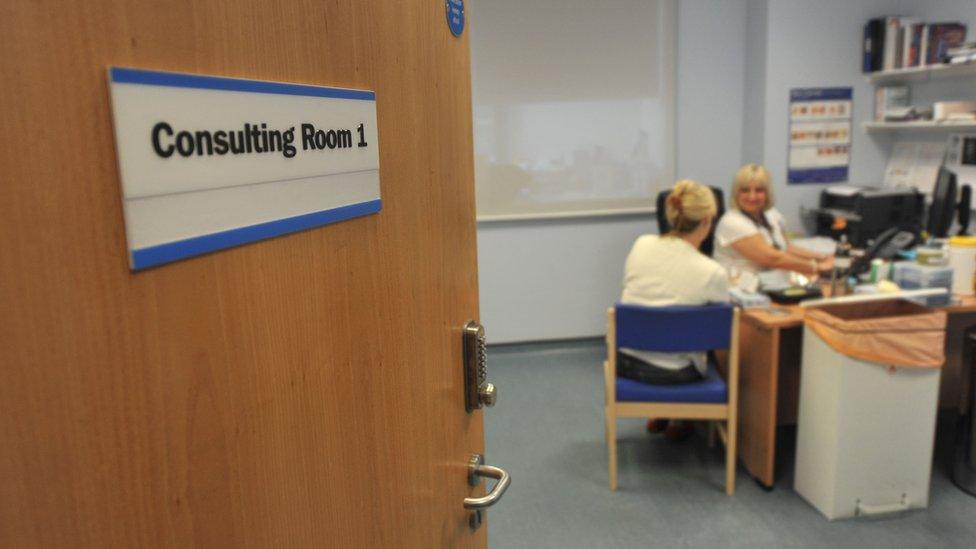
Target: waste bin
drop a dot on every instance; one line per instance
(869, 388)
(964, 457)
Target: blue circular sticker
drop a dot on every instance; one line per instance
(455, 16)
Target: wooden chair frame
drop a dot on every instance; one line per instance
(725, 415)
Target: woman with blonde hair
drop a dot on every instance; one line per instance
(670, 270)
(750, 236)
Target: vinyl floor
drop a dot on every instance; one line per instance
(547, 432)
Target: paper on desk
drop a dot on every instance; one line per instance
(914, 164)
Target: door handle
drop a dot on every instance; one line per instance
(478, 469)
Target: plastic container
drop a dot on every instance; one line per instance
(932, 256)
(912, 276)
(866, 429)
(962, 259)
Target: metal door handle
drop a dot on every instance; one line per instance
(476, 470)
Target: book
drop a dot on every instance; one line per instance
(887, 98)
(943, 36)
(965, 49)
(963, 54)
(923, 48)
(905, 41)
(891, 34)
(915, 45)
(873, 44)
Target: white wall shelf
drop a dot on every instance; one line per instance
(919, 74)
(922, 126)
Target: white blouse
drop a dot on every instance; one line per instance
(662, 271)
(735, 226)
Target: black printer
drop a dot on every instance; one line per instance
(862, 213)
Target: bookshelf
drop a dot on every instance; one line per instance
(924, 73)
(920, 126)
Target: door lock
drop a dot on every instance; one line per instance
(477, 391)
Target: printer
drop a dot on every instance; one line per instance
(862, 213)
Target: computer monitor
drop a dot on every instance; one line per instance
(943, 208)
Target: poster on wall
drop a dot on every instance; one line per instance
(820, 135)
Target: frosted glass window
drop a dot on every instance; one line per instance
(573, 104)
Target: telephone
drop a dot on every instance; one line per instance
(886, 246)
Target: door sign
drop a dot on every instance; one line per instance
(455, 16)
(208, 163)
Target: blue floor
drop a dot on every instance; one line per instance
(547, 432)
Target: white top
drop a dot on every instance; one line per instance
(735, 226)
(662, 271)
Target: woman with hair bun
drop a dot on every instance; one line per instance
(670, 270)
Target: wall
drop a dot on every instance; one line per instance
(816, 44)
(554, 279)
(754, 93)
(710, 93)
(737, 61)
(925, 93)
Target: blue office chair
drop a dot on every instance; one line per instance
(674, 329)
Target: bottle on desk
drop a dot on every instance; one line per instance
(842, 266)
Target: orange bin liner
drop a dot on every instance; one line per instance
(891, 332)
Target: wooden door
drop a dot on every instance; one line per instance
(301, 391)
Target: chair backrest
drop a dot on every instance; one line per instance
(676, 329)
(663, 227)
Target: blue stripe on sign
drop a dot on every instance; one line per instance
(818, 175)
(174, 251)
(181, 80)
(821, 94)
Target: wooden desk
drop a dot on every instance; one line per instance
(770, 344)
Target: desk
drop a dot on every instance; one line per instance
(770, 344)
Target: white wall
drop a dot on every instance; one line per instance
(816, 44)
(953, 89)
(554, 279)
(710, 93)
(737, 61)
(754, 104)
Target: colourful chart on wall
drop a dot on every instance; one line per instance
(820, 135)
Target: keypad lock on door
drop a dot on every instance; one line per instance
(477, 391)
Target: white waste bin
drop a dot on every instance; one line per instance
(869, 390)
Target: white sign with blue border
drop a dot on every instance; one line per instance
(208, 163)
(820, 135)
